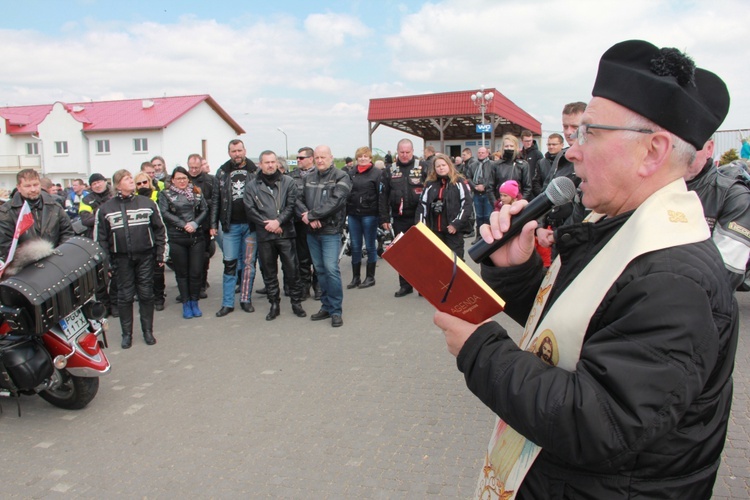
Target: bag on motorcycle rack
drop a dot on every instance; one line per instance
(43, 293)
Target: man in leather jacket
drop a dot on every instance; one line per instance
(270, 200)
(51, 222)
(305, 167)
(726, 204)
(204, 181)
(320, 205)
(402, 186)
(228, 209)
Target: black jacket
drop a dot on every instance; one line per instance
(89, 206)
(532, 156)
(367, 188)
(176, 211)
(483, 177)
(205, 182)
(456, 207)
(543, 170)
(644, 414)
(726, 205)
(567, 213)
(265, 203)
(51, 222)
(324, 199)
(515, 170)
(145, 229)
(402, 187)
(221, 195)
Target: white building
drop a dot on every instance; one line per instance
(68, 141)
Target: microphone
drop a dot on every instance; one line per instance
(559, 192)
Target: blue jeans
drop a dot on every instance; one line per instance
(234, 251)
(367, 226)
(482, 209)
(324, 250)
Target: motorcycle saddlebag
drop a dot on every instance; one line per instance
(50, 289)
(26, 362)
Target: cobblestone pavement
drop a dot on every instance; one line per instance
(241, 407)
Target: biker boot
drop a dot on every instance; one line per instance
(147, 322)
(187, 310)
(126, 324)
(356, 271)
(274, 312)
(317, 291)
(370, 278)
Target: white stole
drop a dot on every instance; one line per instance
(670, 217)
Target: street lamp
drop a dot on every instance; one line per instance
(286, 141)
(482, 99)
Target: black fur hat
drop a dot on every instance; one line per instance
(664, 86)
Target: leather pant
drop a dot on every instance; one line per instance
(269, 253)
(135, 273)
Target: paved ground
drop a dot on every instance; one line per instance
(241, 407)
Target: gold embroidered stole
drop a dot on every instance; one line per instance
(670, 217)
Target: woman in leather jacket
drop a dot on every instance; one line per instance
(510, 167)
(446, 205)
(183, 209)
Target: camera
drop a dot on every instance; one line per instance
(437, 206)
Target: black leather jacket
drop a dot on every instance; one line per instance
(324, 199)
(205, 182)
(367, 188)
(144, 232)
(515, 170)
(176, 211)
(726, 205)
(263, 203)
(456, 207)
(55, 224)
(402, 187)
(221, 196)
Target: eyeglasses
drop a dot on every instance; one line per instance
(303, 157)
(583, 131)
(142, 183)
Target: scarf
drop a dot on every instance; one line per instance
(363, 168)
(187, 192)
(271, 180)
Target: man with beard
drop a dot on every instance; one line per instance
(402, 187)
(51, 222)
(204, 182)
(228, 209)
(270, 202)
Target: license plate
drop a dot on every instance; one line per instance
(74, 323)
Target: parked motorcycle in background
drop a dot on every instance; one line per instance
(52, 330)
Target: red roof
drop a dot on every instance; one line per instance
(130, 114)
(448, 104)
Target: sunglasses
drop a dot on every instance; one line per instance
(142, 183)
(302, 157)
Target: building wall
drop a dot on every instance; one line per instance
(59, 126)
(122, 153)
(186, 135)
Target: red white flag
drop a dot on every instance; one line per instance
(25, 221)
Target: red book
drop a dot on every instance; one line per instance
(446, 281)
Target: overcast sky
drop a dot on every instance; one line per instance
(310, 67)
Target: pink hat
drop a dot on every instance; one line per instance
(510, 188)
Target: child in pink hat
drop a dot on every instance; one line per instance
(508, 193)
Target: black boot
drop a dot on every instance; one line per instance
(370, 278)
(275, 311)
(317, 292)
(298, 311)
(356, 271)
(147, 322)
(126, 324)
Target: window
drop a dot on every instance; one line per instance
(61, 147)
(32, 148)
(140, 145)
(102, 146)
